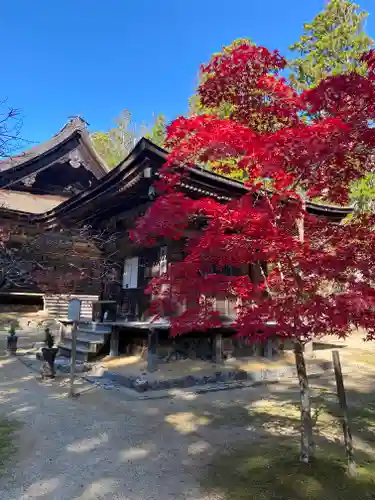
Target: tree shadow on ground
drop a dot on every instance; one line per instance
(279, 411)
(270, 471)
(7, 448)
(102, 445)
(269, 467)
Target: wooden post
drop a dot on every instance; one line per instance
(73, 358)
(218, 348)
(344, 408)
(307, 445)
(152, 362)
(114, 342)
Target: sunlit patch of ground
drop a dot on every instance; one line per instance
(136, 365)
(187, 422)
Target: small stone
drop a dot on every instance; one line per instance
(176, 383)
(140, 384)
(188, 381)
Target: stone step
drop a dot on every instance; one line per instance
(83, 353)
(82, 347)
(91, 336)
(67, 344)
(96, 338)
(80, 356)
(93, 327)
(90, 346)
(84, 340)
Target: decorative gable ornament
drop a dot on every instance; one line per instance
(29, 180)
(75, 160)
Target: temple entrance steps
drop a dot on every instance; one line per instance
(91, 337)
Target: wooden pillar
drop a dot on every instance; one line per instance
(114, 342)
(218, 348)
(152, 360)
(268, 349)
(258, 349)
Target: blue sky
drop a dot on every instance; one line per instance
(95, 58)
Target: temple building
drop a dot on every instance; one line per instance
(36, 182)
(59, 168)
(61, 195)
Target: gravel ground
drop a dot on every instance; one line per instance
(105, 445)
(102, 447)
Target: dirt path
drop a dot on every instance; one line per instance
(103, 447)
(87, 449)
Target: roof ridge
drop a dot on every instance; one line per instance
(75, 124)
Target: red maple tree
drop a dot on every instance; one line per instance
(319, 276)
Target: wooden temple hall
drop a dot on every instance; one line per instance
(68, 218)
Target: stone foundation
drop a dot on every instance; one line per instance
(142, 384)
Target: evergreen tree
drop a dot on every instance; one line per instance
(158, 132)
(330, 45)
(362, 194)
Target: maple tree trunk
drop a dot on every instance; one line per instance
(307, 445)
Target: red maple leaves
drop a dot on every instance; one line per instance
(319, 275)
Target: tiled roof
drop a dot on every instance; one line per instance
(76, 124)
(114, 178)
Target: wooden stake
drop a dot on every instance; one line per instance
(307, 444)
(73, 358)
(344, 408)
